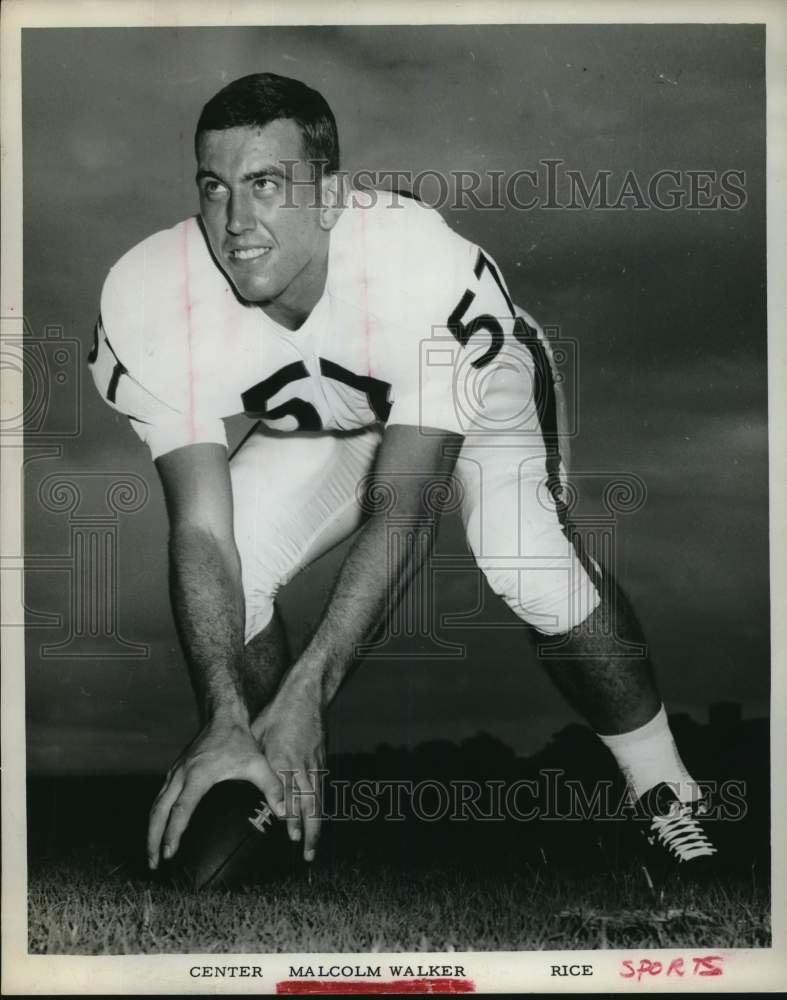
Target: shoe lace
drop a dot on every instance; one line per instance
(681, 833)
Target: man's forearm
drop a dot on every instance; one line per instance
(208, 604)
(369, 585)
(382, 562)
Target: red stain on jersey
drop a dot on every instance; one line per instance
(365, 281)
(357, 987)
(188, 331)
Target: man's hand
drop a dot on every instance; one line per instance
(292, 736)
(221, 751)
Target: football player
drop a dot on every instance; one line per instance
(389, 375)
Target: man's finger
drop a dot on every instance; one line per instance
(260, 773)
(310, 804)
(181, 812)
(159, 815)
(285, 776)
(292, 812)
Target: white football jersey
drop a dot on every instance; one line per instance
(415, 326)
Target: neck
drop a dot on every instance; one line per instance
(294, 306)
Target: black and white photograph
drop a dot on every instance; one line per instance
(392, 582)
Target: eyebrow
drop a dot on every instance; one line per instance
(267, 171)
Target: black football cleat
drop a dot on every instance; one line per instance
(674, 837)
(233, 839)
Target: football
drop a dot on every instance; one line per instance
(233, 839)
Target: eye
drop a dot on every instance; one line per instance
(265, 185)
(212, 188)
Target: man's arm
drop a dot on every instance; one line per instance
(204, 568)
(209, 610)
(410, 467)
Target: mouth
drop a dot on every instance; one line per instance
(245, 254)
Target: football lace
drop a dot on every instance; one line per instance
(681, 834)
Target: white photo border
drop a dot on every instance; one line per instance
(745, 969)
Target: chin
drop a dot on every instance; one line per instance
(254, 291)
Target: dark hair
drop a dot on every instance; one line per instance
(261, 98)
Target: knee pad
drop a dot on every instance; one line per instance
(552, 599)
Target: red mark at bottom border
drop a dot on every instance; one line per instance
(358, 987)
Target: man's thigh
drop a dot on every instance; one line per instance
(516, 530)
(295, 497)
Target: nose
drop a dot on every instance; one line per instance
(240, 216)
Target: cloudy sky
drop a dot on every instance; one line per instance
(667, 309)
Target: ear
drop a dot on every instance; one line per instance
(334, 196)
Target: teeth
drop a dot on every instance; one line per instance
(250, 254)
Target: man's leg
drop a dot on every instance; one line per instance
(267, 658)
(614, 694)
(618, 695)
(581, 621)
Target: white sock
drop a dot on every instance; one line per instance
(648, 756)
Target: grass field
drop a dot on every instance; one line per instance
(363, 905)
(383, 886)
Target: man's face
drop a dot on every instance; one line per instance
(266, 232)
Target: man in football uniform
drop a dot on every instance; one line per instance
(390, 375)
